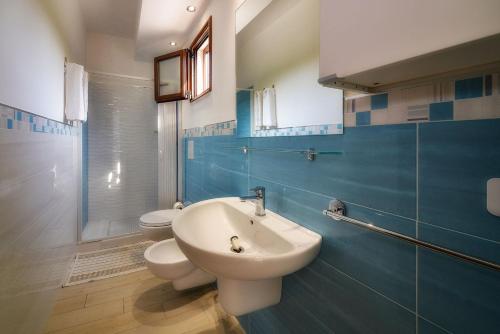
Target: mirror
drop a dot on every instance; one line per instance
(277, 71)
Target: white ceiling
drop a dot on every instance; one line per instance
(162, 21)
(112, 17)
(152, 23)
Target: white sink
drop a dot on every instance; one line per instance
(273, 246)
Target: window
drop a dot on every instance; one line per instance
(171, 76)
(186, 73)
(201, 62)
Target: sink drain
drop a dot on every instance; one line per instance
(235, 244)
(239, 250)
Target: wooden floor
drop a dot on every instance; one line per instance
(138, 303)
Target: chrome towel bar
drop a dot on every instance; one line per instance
(337, 211)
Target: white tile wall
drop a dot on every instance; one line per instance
(38, 223)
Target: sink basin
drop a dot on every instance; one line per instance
(272, 246)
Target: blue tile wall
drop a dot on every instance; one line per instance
(469, 88)
(458, 296)
(441, 111)
(388, 186)
(415, 179)
(243, 104)
(363, 118)
(456, 161)
(380, 101)
(218, 170)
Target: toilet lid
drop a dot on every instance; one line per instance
(159, 218)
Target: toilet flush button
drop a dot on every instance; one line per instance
(493, 196)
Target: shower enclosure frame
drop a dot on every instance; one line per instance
(176, 164)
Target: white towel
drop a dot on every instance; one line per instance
(269, 120)
(75, 102)
(257, 110)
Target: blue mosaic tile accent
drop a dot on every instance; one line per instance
(324, 129)
(380, 101)
(468, 88)
(218, 129)
(441, 111)
(438, 105)
(18, 120)
(230, 128)
(363, 118)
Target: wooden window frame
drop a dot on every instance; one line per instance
(184, 80)
(204, 34)
(204, 64)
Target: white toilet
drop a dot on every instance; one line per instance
(166, 260)
(157, 225)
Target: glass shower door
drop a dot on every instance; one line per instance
(120, 156)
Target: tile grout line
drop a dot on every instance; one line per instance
(329, 197)
(369, 287)
(417, 216)
(382, 295)
(459, 232)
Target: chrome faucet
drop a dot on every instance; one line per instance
(259, 198)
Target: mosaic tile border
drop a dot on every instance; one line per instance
(326, 129)
(18, 120)
(466, 98)
(227, 128)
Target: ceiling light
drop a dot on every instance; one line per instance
(173, 43)
(191, 9)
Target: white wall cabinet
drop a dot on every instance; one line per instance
(377, 43)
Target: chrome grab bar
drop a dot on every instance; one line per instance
(337, 211)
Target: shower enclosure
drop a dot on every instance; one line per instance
(119, 156)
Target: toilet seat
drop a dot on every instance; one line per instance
(159, 218)
(165, 260)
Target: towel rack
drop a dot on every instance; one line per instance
(336, 210)
(310, 153)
